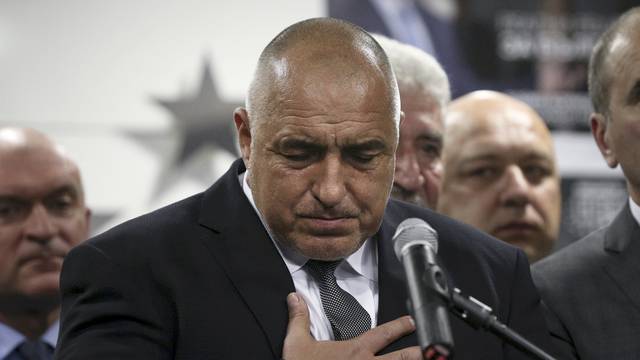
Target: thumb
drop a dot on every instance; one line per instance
(298, 336)
(298, 339)
(298, 316)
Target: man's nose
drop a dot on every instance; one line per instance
(39, 226)
(516, 187)
(407, 173)
(329, 187)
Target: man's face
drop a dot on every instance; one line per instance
(42, 215)
(623, 128)
(500, 176)
(418, 164)
(321, 163)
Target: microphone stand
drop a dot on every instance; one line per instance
(479, 315)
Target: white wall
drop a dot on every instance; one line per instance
(86, 72)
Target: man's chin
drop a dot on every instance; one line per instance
(531, 247)
(41, 302)
(327, 249)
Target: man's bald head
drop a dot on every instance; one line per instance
(485, 109)
(333, 48)
(15, 139)
(16, 143)
(500, 172)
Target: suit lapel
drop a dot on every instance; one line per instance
(241, 245)
(622, 244)
(244, 249)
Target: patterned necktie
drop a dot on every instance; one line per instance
(35, 350)
(347, 317)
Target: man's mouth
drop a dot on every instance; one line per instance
(516, 228)
(43, 263)
(329, 225)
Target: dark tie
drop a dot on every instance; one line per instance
(34, 350)
(347, 317)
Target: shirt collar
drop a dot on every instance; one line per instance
(51, 335)
(363, 261)
(10, 338)
(635, 210)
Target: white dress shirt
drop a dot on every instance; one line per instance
(357, 275)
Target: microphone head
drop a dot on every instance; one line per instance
(414, 231)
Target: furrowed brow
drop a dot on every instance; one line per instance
(300, 144)
(369, 145)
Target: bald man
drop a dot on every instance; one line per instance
(42, 216)
(500, 172)
(289, 255)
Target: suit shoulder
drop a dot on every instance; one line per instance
(573, 262)
(172, 219)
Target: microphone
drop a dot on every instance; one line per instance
(415, 245)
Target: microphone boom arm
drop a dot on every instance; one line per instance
(479, 315)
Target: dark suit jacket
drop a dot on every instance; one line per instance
(591, 290)
(200, 279)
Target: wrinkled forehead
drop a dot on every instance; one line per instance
(353, 85)
(311, 65)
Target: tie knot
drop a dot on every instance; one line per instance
(323, 270)
(35, 350)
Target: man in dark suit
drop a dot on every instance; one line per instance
(591, 287)
(42, 216)
(210, 277)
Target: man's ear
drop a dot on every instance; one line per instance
(599, 130)
(241, 119)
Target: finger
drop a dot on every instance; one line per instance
(383, 335)
(412, 353)
(299, 322)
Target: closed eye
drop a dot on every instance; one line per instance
(299, 150)
(364, 153)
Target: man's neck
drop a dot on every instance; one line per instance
(31, 325)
